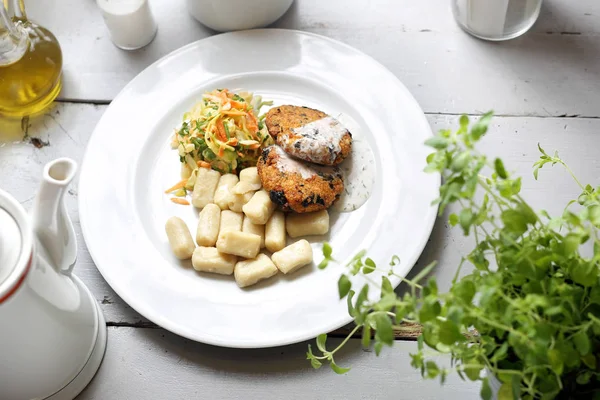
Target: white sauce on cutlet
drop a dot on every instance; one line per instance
(317, 141)
(358, 171)
(288, 164)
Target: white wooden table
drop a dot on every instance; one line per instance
(545, 87)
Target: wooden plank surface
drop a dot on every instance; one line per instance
(546, 84)
(553, 70)
(151, 364)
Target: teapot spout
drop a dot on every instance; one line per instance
(51, 222)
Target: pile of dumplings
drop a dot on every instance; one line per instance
(241, 232)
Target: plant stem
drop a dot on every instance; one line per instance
(572, 174)
(346, 339)
(502, 326)
(462, 261)
(485, 187)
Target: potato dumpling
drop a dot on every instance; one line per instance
(209, 259)
(239, 200)
(259, 208)
(209, 222)
(275, 232)
(249, 272)
(230, 221)
(294, 256)
(205, 187)
(223, 194)
(250, 175)
(180, 238)
(241, 244)
(250, 227)
(314, 223)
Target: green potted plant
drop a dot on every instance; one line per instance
(526, 320)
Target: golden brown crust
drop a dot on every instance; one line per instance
(291, 191)
(281, 122)
(284, 118)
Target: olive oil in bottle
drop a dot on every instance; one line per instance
(29, 83)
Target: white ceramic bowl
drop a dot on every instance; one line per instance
(232, 15)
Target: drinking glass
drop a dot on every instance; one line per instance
(496, 19)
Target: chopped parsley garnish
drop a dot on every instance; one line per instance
(185, 129)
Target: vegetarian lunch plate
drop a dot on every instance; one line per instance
(129, 164)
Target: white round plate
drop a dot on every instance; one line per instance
(129, 163)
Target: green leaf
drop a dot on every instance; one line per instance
(429, 311)
(465, 290)
(505, 392)
(499, 168)
(460, 161)
(589, 360)
(584, 273)
(437, 142)
(453, 219)
(432, 369)
(321, 339)
(378, 346)
(455, 314)
(323, 264)
(571, 244)
(386, 303)
(582, 342)
(594, 214)
(514, 221)
(383, 328)
(486, 390)
(541, 150)
(363, 295)
(395, 261)
(556, 361)
(369, 266)
(516, 386)
(480, 127)
(351, 309)
(327, 250)
(357, 257)
(584, 377)
(465, 219)
(366, 336)
(314, 362)
(344, 286)
(443, 375)
(473, 370)
(337, 369)
(464, 121)
(449, 333)
(386, 286)
(500, 353)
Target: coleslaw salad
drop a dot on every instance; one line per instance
(224, 132)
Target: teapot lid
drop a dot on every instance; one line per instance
(11, 244)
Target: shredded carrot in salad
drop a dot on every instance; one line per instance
(177, 200)
(223, 132)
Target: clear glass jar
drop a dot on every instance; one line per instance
(496, 19)
(30, 63)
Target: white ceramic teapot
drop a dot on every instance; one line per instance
(52, 332)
